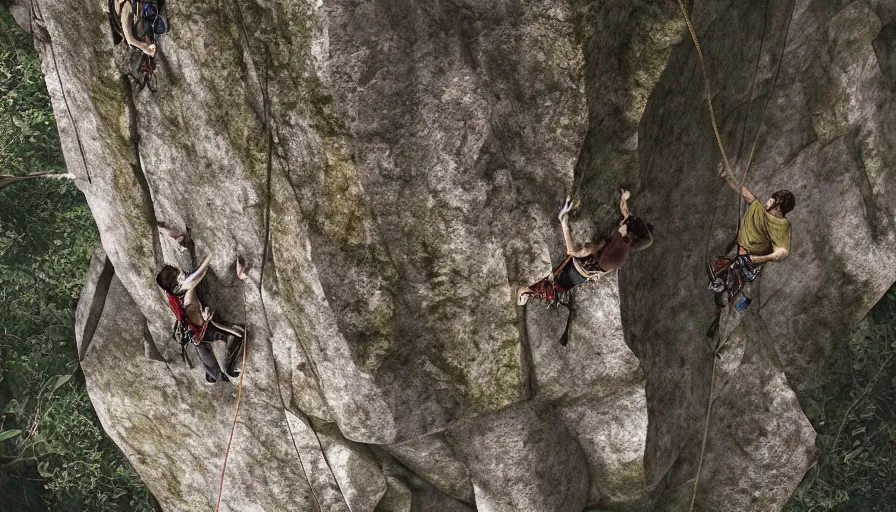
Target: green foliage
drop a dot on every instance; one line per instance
(53, 453)
(855, 417)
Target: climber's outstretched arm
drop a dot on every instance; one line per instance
(729, 179)
(623, 205)
(564, 225)
(126, 14)
(193, 280)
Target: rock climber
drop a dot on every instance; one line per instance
(129, 25)
(196, 321)
(595, 258)
(764, 236)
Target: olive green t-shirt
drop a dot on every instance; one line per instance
(761, 231)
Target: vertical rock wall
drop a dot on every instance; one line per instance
(390, 170)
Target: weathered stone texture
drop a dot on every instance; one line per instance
(390, 172)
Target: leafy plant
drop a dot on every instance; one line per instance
(53, 453)
(855, 417)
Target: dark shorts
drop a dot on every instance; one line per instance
(569, 276)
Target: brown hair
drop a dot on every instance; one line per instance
(640, 231)
(167, 279)
(784, 199)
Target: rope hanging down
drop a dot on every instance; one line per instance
(768, 100)
(726, 163)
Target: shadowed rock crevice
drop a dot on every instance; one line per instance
(93, 301)
(137, 169)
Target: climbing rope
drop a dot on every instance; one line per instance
(236, 414)
(712, 382)
(726, 163)
(768, 99)
(68, 109)
(706, 85)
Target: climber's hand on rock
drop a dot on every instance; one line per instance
(150, 50)
(723, 171)
(564, 211)
(626, 195)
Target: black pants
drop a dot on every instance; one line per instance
(206, 354)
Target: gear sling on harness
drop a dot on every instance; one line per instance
(560, 283)
(729, 276)
(184, 331)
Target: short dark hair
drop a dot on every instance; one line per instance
(640, 230)
(167, 279)
(784, 199)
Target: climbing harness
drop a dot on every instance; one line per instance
(548, 290)
(739, 269)
(729, 275)
(184, 332)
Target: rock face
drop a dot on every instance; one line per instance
(390, 172)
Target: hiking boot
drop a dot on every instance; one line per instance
(209, 380)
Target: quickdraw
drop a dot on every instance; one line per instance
(185, 332)
(729, 275)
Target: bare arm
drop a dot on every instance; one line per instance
(126, 13)
(193, 280)
(623, 205)
(567, 236)
(588, 250)
(777, 254)
(729, 179)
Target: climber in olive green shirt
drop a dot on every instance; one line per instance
(764, 232)
(764, 236)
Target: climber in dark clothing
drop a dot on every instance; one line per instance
(594, 259)
(199, 326)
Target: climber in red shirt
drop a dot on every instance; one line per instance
(196, 323)
(594, 259)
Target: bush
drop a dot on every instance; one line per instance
(53, 453)
(855, 417)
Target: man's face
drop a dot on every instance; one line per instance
(769, 204)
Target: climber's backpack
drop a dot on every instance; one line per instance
(184, 332)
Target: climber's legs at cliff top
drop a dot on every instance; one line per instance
(595, 258)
